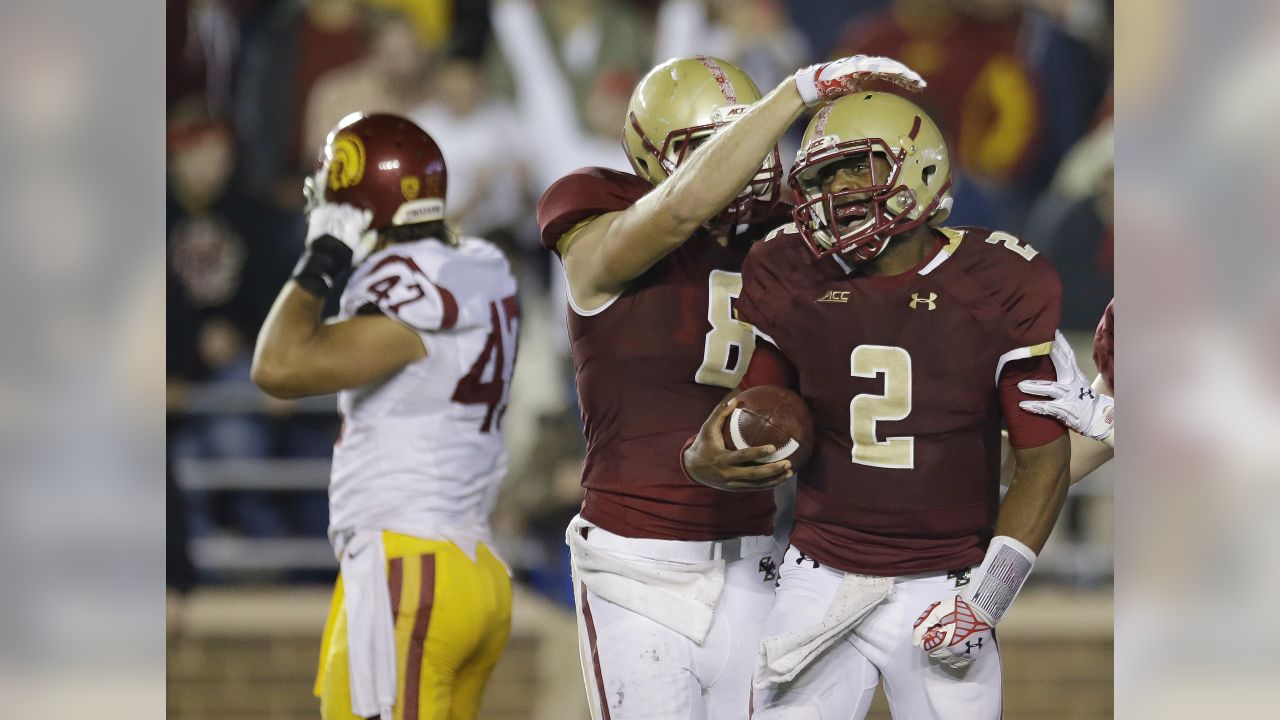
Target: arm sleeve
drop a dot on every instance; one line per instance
(760, 284)
(769, 367)
(584, 194)
(397, 288)
(1032, 310)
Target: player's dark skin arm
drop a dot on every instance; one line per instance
(1041, 477)
(298, 355)
(710, 463)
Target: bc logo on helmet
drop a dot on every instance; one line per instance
(346, 167)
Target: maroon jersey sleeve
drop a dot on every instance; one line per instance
(769, 367)
(583, 194)
(1030, 295)
(766, 290)
(1104, 347)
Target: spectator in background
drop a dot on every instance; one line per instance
(456, 28)
(758, 36)
(1073, 223)
(388, 79)
(1010, 91)
(225, 258)
(558, 138)
(485, 150)
(203, 39)
(287, 45)
(593, 37)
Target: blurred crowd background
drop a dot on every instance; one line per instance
(518, 93)
(81, 399)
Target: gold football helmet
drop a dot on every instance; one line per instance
(681, 103)
(859, 222)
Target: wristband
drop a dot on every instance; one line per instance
(320, 263)
(996, 583)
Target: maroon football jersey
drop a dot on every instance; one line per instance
(1104, 346)
(651, 365)
(908, 378)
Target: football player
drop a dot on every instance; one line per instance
(421, 357)
(673, 578)
(907, 340)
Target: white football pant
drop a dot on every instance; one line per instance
(636, 668)
(841, 682)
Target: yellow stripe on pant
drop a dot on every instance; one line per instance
(452, 619)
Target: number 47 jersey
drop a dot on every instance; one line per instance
(425, 446)
(908, 378)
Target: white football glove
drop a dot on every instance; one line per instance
(345, 222)
(827, 81)
(1073, 401)
(953, 632)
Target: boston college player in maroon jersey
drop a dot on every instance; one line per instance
(907, 341)
(674, 578)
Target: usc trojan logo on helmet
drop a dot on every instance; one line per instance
(346, 167)
(409, 186)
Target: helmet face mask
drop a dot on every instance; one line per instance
(855, 221)
(869, 129)
(681, 104)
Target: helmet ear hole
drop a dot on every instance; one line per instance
(927, 173)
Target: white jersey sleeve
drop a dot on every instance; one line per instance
(393, 284)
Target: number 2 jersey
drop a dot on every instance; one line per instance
(908, 378)
(422, 452)
(651, 365)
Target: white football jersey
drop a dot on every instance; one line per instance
(422, 452)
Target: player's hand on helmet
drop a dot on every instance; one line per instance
(827, 81)
(1072, 400)
(709, 462)
(953, 632)
(342, 222)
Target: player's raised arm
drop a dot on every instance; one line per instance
(297, 354)
(736, 150)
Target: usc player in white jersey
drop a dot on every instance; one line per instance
(421, 356)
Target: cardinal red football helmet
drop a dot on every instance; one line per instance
(385, 164)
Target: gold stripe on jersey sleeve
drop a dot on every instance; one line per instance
(562, 245)
(1041, 349)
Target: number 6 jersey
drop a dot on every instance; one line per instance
(908, 378)
(651, 365)
(423, 449)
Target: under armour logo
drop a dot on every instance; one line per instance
(960, 576)
(1086, 392)
(769, 569)
(804, 558)
(916, 300)
(835, 296)
(971, 645)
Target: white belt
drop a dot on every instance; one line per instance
(680, 550)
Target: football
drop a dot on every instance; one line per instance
(771, 415)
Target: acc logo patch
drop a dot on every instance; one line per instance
(346, 167)
(409, 186)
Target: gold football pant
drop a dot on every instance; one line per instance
(452, 619)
